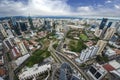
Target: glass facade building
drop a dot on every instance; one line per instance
(103, 23)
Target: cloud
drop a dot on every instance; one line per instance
(117, 6)
(34, 7)
(84, 8)
(8, 8)
(48, 7)
(55, 8)
(108, 1)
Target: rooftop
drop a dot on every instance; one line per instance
(114, 64)
(35, 70)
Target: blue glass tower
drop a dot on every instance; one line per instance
(30, 22)
(47, 25)
(109, 24)
(15, 26)
(103, 23)
(23, 26)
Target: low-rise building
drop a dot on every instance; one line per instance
(1, 60)
(113, 67)
(2, 72)
(35, 71)
(109, 52)
(21, 59)
(96, 72)
(15, 53)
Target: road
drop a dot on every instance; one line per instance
(55, 56)
(47, 75)
(69, 61)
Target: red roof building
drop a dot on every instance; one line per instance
(108, 67)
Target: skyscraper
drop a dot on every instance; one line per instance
(23, 26)
(88, 53)
(105, 29)
(118, 27)
(118, 30)
(98, 32)
(5, 26)
(101, 44)
(30, 22)
(2, 30)
(109, 24)
(109, 33)
(103, 23)
(47, 25)
(15, 26)
(8, 43)
(21, 46)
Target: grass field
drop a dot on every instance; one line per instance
(83, 37)
(37, 57)
(76, 46)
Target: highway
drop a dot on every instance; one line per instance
(68, 60)
(55, 56)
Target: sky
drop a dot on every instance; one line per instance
(60, 8)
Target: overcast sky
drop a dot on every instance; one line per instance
(59, 8)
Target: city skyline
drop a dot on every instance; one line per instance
(59, 39)
(103, 8)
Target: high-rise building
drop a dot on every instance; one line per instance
(10, 33)
(66, 73)
(98, 32)
(118, 30)
(8, 43)
(17, 29)
(101, 44)
(23, 26)
(21, 46)
(15, 53)
(109, 24)
(103, 23)
(88, 53)
(114, 38)
(105, 29)
(117, 27)
(47, 25)
(109, 33)
(15, 26)
(30, 22)
(2, 30)
(5, 25)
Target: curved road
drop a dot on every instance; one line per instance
(47, 75)
(55, 56)
(59, 53)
